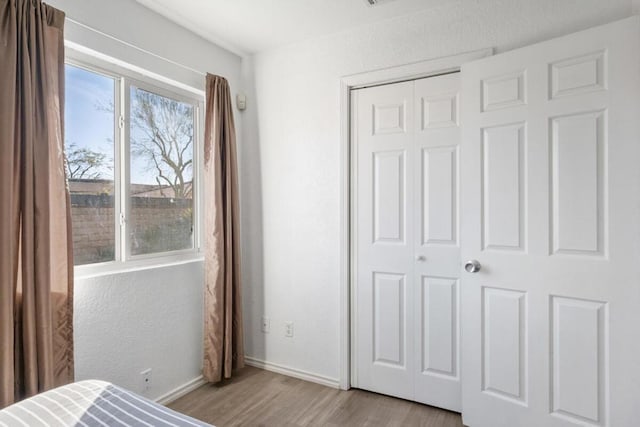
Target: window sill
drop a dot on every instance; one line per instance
(82, 272)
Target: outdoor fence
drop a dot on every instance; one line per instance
(156, 224)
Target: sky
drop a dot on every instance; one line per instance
(89, 123)
(86, 124)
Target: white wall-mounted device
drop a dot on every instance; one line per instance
(241, 101)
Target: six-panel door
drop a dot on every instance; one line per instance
(407, 336)
(550, 199)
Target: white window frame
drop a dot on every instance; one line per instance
(124, 79)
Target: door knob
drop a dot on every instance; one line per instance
(421, 258)
(472, 266)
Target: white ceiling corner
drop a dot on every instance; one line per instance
(251, 26)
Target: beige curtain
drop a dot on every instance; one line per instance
(223, 340)
(36, 267)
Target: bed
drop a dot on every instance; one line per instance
(91, 403)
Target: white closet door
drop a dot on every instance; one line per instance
(407, 266)
(436, 242)
(383, 134)
(550, 200)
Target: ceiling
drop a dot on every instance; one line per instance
(251, 26)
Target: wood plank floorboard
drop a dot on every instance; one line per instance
(260, 398)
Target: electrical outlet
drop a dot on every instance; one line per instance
(288, 329)
(266, 324)
(145, 377)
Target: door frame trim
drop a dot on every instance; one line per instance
(412, 71)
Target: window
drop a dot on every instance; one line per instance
(131, 157)
(89, 146)
(161, 188)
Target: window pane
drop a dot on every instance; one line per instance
(89, 150)
(161, 188)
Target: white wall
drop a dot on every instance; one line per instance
(128, 322)
(298, 118)
(250, 176)
(152, 318)
(150, 40)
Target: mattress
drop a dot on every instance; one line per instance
(91, 403)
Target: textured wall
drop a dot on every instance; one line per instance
(298, 118)
(128, 322)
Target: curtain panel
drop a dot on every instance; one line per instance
(223, 340)
(36, 265)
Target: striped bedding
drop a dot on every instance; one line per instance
(89, 404)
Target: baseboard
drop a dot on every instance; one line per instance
(292, 372)
(188, 387)
(178, 392)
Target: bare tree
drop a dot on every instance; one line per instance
(83, 163)
(163, 137)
